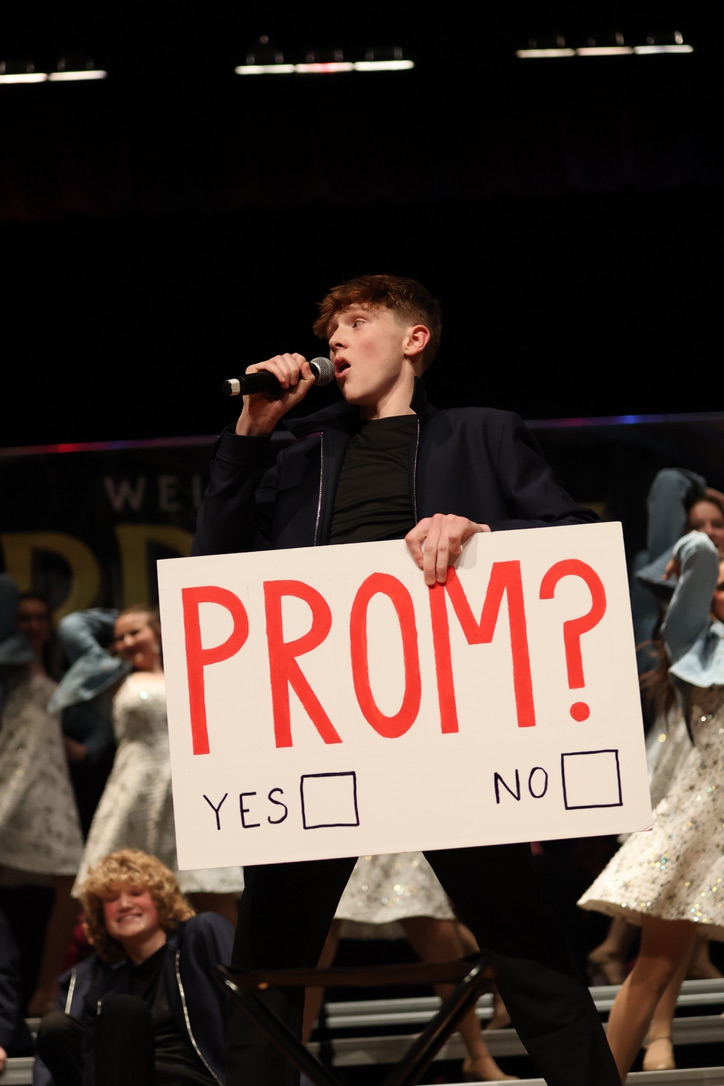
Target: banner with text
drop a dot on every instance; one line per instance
(325, 702)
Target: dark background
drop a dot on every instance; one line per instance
(163, 228)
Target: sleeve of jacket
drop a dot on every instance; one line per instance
(84, 632)
(530, 491)
(231, 518)
(688, 615)
(85, 697)
(208, 940)
(672, 492)
(84, 636)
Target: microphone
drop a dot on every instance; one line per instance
(322, 371)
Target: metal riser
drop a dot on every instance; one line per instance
(412, 1014)
(711, 1076)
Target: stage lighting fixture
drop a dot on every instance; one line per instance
(66, 70)
(604, 45)
(664, 43)
(384, 60)
(323, 62)
(266, 60)
(20, 71)
(610, 44)
(71, 69)
(548, 45)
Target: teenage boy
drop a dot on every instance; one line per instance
(385, 464)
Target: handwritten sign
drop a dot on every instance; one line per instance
(324, 702)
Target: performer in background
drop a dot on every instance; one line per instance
(136, 808)
(667, 880)
(385, 464)
(40, 835)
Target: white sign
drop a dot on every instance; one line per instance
(324, 702)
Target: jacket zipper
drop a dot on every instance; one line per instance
(71, 989)
(414, 472)
(321, 488)
(321, 481)
(182, 993)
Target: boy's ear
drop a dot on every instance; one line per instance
(418, 337)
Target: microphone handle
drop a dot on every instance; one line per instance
(249, 383)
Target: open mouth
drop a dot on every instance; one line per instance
(341, 366)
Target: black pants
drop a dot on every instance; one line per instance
(286, 911)
(123, 1043)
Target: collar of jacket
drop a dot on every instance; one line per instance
(345, 416)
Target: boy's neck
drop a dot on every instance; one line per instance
(397, 402)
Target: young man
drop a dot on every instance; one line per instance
(385, 464)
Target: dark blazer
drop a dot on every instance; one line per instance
(475, 462)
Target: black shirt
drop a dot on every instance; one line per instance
(374, 492)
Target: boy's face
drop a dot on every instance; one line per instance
(368, 347)
(130, 913)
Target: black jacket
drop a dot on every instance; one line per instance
(475, 462)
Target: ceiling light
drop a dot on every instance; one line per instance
(602, 45)
(549, 45)
(664, 43)
(20, 71)
(72, 69)
(264, 59)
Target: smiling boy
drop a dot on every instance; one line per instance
(145, 1008)
(385, 464)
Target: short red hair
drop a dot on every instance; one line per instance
(406, 298)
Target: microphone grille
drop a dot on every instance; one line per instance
(323, 370)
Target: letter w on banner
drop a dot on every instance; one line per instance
(350, 709)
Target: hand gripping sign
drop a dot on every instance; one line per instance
(325, 702)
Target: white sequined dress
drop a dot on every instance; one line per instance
(136, 808)
(385, 889)
(39, 827)
(676, 870)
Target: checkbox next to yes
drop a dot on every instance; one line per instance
(329, 799)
